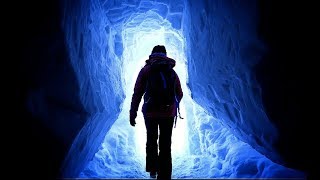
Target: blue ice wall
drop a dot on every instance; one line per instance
(223, 48)
(92, 50)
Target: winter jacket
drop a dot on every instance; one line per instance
(140, 88)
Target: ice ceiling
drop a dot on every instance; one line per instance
(225, 132)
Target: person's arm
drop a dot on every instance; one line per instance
(139, 90)
(179, 92)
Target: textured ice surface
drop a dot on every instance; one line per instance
(225, 133)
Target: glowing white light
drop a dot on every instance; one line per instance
(138, 45)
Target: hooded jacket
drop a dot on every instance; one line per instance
(141, 84)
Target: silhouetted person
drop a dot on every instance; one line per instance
(161, 88)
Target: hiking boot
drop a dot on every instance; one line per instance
(153, 174)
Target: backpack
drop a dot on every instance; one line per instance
(160, 89)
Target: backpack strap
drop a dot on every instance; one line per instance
(175, 118)
(163, 80)
(178, 107)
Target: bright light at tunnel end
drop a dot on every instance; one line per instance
(134, 57)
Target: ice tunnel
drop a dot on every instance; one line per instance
(225, 133)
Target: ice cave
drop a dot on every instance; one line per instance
(225, 133)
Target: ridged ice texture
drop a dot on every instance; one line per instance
(225, 133)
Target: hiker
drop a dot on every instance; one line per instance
(161, 88)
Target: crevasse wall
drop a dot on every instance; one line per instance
(91, 43)
(222, 39)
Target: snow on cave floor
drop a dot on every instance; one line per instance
(206, 150)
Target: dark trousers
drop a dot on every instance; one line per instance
(160, 162)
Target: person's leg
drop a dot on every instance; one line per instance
(151, 145)
(165, 161)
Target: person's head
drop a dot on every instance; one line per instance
(159, 49)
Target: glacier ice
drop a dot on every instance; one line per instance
(225, 131)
